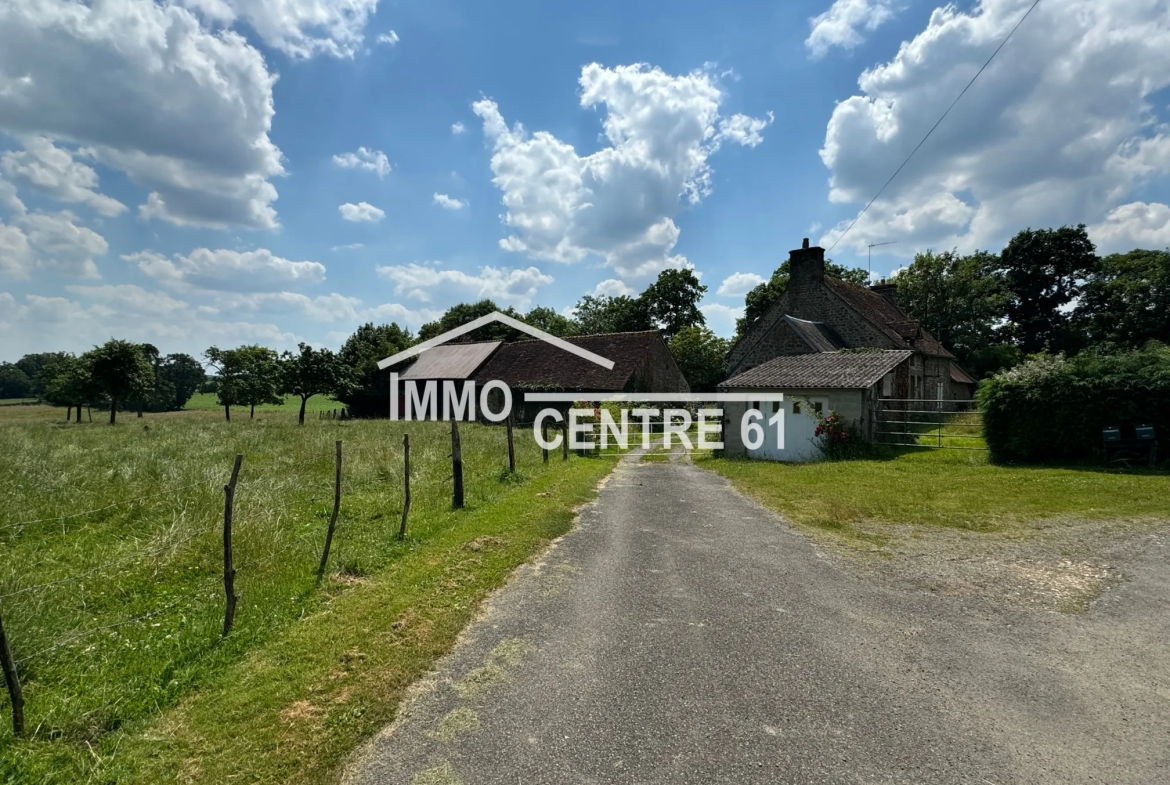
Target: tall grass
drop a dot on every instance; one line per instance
(86, 670)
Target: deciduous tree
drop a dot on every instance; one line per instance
(1126, 300)
(310, 372)
(121, 371)
(700, 355)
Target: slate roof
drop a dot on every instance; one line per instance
(450, 361)
(887, 317)
(819, 336)
(848, 370)
(539, 365)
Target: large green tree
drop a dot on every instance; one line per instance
(121, 371)
(246, 376)
(960, 300)
(672, 301)
(461, 314)
(14, 383)
(764, 295)
(184, 374)
(73, 385)
(700, 355)
(1126, 300)
(1043, 270)
(42, 368)
(310, 372)
(551, 322)
(366, 392)
(612, 314)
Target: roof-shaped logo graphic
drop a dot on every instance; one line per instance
(496, 316)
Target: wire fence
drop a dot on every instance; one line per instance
(17, 663)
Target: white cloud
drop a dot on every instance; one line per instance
(458, 128)
(1060, 129)
(49, 241)
(299, 28)
(227, 270)
(370, 160)
(52, 171)
(839, 25)
(1135, 225)
(360, 212)
(389, 37)
(738, 284)
(448, 202)
(612, 287)
(143, 87)
(8, 198)
(721, 318)
(39, 324)
(504, 285)
(619, 202)
(348, 247)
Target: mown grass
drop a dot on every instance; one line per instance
(949, 488)
(144, 701)
(205, 402)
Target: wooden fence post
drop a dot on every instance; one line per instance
(336, 509)
(13, 681)
(456, 467)
(544, 438)
(565, 440)
(511, 448)
(229, 572)
(406, 477)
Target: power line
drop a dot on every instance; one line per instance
(931, 131)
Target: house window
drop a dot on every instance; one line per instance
(775, 406)
(796, 407)
(820, 407)
(888, 385)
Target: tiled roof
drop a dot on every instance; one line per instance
(887, 317)
(819, 336)
(450, 360)
(961, 376)
(540, 365)
(851, 370)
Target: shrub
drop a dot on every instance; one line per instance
(837, 439)
(1052, 408)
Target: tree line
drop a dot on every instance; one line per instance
(1047, 291)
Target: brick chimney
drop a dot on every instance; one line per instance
(807, 264)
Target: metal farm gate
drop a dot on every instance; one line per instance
(907, 422)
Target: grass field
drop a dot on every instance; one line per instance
(202, 402)
(115, 615)
(949, 488)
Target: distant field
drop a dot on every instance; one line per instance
(318, 403)
(16, 401)
(115, 613)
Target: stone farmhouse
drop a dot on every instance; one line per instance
(839, 346)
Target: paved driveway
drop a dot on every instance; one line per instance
(683, 634)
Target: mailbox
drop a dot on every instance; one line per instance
(1111, 434)
(1144, 432)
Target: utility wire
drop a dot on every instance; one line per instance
(936, 125)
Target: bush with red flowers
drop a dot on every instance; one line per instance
(835, 438)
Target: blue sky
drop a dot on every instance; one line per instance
(228, 171)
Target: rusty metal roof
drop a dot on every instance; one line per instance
(450, 361)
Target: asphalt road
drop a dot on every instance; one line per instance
(681, 633)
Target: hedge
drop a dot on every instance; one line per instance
(1053, 409)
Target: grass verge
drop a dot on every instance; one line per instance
(942, 488)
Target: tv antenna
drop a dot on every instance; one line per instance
(871, 246)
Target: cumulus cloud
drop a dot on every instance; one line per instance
(1061, 129)
(721, 318)
(840, 25)
(360, 212)
(299, 28)
(369, 160)
(1134, 225)
(227, 270)
(389, 37)
(738, 284)
(504, 285)
(145, 88)
(458, 128)
(612, 287)
(448, 202)
(38, 324)
(618, 203)
(52, 242)
(53, 171)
